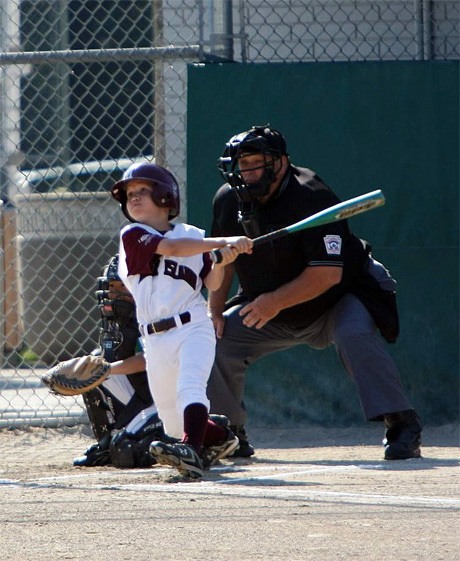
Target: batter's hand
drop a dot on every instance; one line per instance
(241, 243)
(258, 312)
(235, 246)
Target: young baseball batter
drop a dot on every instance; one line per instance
(165, 266)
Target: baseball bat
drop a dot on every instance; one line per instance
(340, 211)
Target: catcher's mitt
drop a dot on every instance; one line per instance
(77, 375)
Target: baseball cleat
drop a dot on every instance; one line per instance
(402, 436)
(180, 456)
(405, 446)
(97, 455)
(220, 420)
(244, 450)
(212, 454)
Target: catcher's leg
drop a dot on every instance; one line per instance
(111, 406)
(100, 414)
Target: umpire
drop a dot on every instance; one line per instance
(320, 286)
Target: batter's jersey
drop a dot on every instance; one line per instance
(162, 286)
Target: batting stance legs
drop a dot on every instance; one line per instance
(181, 360)
(350, 328)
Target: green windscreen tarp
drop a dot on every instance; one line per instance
(360, 126)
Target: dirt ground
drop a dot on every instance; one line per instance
(308, 494)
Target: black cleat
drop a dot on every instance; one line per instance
(402, 436)
(220, 420)
(244, 450)
(181, 456)
(97, 455)
(212, 454)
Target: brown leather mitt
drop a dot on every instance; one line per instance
(77, 375)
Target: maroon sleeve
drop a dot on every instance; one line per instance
(140, 248)
(207, 264)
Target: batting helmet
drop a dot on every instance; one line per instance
(165, 188)
(258, 139)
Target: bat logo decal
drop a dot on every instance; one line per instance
(347, 212)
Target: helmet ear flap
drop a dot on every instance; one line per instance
(119, 193)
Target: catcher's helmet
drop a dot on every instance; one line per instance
(165, 193)
(258, 139)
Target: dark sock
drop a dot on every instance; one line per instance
(215, 434)
(195, 422)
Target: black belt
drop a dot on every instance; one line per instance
(167, 323)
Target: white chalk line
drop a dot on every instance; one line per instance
(240, 487)
(278, 471)
(276, 492)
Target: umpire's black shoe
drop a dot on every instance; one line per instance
(97, 455)
(244, 450)
(220, 420)
(402, 435)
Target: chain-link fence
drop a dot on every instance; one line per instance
(333, 30)
(88, 87)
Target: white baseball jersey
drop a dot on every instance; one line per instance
(162, 286)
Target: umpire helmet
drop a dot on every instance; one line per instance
(165, 193)
(258, 139)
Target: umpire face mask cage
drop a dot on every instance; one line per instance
(257, 140)
(165, 191)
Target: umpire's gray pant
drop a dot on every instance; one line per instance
(348, 326)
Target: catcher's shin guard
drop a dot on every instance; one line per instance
(100, 412)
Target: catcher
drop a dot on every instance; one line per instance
(120, 408)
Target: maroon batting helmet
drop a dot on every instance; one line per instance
(165, 188)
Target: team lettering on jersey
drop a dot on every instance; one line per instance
(154, 264)
(173, 270)
(180, 272)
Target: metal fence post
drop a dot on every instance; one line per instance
(2, 290)
(427, 30)
(221, 33)
(159, 146)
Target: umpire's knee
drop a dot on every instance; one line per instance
(353, 324)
